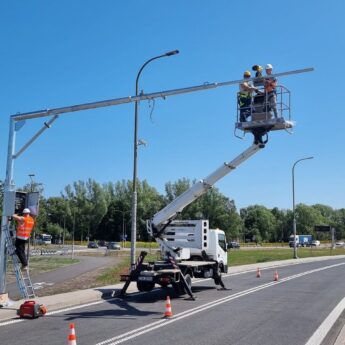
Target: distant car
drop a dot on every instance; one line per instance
(113, 245)
(315, 243)
(339, 244)
(234, 245)
(102, 243)
(92, 245)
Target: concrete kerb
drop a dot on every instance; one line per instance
(80, 297)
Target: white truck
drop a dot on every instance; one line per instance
(189, 247)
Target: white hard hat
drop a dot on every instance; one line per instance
(26, 210)
(269, 66)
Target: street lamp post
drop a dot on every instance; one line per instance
(73, 233)
(293, 205)
(123, 225)
(134, 198)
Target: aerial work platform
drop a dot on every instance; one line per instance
(259, 113)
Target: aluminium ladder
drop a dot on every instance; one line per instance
(22, 276)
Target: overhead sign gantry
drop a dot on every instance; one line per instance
(18, 120)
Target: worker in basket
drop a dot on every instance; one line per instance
(25, 224)
(245, 97)
(270, 90)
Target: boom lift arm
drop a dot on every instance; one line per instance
(159, 221)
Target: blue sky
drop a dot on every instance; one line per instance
(60, 53)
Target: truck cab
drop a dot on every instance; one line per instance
(301, 240)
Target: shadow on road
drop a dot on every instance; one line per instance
(122, 310)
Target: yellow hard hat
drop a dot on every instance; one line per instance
(246, 74)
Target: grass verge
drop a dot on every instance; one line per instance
(235, 258)
(112, 275)
(243, 257)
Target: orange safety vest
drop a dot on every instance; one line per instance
(24, 229)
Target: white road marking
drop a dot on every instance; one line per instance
(10, 322)
(179, 316)
(162, 323)
(38, 286)
(321, 332)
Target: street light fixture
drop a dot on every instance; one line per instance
(293, 205)
(32, 182)
(136, 144)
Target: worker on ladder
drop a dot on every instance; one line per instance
(24, 228)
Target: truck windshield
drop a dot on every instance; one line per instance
(222, 241)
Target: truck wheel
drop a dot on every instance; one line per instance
(178, 288)
(145, 286)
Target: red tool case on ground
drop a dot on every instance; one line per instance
(31, 310)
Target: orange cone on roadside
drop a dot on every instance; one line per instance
(168, 312)
(72, 339)
(276, 277)
(258, 273)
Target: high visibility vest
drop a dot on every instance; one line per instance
(24, 229)
(243, 92)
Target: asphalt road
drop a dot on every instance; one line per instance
(62, 274)
(253, 311)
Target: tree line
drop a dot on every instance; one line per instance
(91, 210)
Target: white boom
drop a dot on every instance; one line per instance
(198, 189)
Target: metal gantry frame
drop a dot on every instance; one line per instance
(18, 120)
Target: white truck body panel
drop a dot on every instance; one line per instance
(193, 237)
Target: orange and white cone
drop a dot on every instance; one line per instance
(72, 339)
(275, 277)
(168, 312)
(258, 273)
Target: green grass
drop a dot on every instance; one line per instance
(235, 258)
(44, 264)
(112, 275)
(253, 256)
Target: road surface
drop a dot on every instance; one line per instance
(64, 274)
(254, 311)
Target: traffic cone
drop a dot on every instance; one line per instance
(276, 277)
(72, 339)
(258, 273)
(168, 312)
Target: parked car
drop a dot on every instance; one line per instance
(315, 243)
(102, 243)
(340, 244)
(92, 245)
(234, 244)
(113, 245)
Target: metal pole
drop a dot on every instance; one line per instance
(64, 230)
(45, 127)
(142, 97)
(123, 230)
(73, 234)
(8, 187)
(135, 159)
(293, 206)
